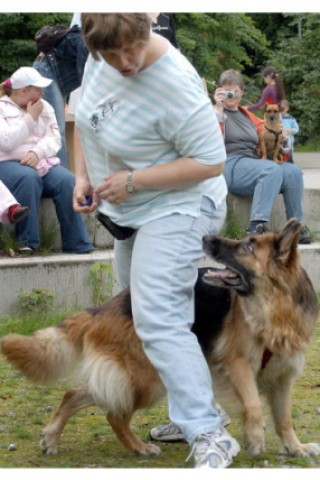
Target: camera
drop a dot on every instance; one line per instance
(229, 94)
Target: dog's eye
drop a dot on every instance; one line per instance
(248, 247)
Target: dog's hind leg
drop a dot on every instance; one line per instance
(120, 424)
(280, 401)
(72, 402)
(243, 381)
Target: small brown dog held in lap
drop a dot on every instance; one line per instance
(271, 137)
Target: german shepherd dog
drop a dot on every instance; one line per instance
(254, 320)
(271, 137)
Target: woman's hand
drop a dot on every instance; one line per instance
(219, 97)
(113, 190)
(35, 109)
(31, 159)
(85, 200)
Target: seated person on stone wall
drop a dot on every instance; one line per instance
(29, 142)
(247, 174)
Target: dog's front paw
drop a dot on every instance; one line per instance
(148, 449)
(48, 449)
(305, 450)
(255, 448)
(47, 444)
(254, 433)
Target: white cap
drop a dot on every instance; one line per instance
(28, 76)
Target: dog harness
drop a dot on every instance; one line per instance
(276, 134)
(286, 155)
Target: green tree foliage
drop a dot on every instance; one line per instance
(298, 58)
(17, 30)
(214, 42)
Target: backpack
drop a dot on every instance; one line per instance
(48, 37)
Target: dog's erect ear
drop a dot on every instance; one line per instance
(287, 241)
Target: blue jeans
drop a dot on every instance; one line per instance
(161, 260)
(53, 95)
(28, 188)
(264, 180)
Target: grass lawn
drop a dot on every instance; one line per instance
(89, 442)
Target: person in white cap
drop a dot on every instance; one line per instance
(29, 142)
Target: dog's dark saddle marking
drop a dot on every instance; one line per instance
(211, 306)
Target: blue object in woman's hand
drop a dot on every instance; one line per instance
(87, 202)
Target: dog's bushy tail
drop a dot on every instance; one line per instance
(45, 356)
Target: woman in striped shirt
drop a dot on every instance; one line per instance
(152, 159)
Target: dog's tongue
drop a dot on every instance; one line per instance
(220, 273)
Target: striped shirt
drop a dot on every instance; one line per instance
(151, 118)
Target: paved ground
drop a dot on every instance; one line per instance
(307, 159)
(310, 164)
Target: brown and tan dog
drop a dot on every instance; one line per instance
(254, 321)
(271, 137)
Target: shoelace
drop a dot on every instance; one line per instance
(170, 428)
(202, 444)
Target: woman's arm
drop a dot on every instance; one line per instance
(268, 92)
(177, 174)
(12, 136)
(50, 142)
(83, 186)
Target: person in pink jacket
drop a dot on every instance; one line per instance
(29, 166)
(10, 209)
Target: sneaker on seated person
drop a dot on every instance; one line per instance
(304, 237)
(17, 212)
(258, 227)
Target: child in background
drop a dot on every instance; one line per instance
(290, 129)
(274, 90)
(10, 209)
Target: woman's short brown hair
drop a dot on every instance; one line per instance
(102, 31)
(231, 77)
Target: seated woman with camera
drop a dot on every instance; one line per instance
(245, 172)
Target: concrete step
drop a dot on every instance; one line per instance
(307, 160)
(69, 277)
(239, 207)
(77, 280)
(49, 226)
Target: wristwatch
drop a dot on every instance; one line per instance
(129, 183)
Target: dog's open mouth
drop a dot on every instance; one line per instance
(223, 277)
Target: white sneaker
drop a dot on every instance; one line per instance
(167, 433)
(172, 433)
(214, 450)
